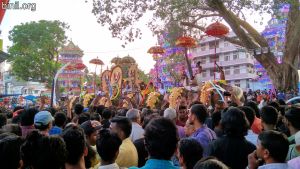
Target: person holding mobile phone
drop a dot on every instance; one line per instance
(271, 150)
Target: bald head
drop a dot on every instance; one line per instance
(133, 115)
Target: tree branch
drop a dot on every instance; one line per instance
(267, 60)
(229, 39)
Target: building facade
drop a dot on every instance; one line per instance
(70, 80)
(237, 63)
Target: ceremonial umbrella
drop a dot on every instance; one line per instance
(156, 51)
(96, 61)
(187, 42)
(216, 29)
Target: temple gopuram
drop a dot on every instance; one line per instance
(69, 81)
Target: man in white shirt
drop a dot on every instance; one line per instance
(137, 131)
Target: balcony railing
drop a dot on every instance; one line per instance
(233, 76)
(199, 53)
(228, 63)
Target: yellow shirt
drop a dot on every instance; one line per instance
(128, 156)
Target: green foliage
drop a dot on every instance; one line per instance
(35, 48)
(142, 76)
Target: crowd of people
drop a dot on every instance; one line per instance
(239, 135)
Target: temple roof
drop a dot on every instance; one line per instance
(71, 48)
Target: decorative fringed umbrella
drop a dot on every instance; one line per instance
(156, 51)
(187, 42)
(96, 61)
(216, 29)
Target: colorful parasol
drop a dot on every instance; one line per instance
(216, 29)
(96, 61)
(156, 50)
(187, 42)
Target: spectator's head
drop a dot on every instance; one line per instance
(182, 113)
(106, 114)
(272, 146)
(210, 163)
(216, 119)
(134, 115)
(91, 128)
(189, 152)
(198, 114)
(10, 151)
(161, 138)
(100, 109)
(78, 109)
(269, 117)
(16, 119)
(52, 110)
(121, 126)
(60, 119)
(189, 129)
(170, 113)
(276, 105)
(83, 117)
(75, 143)
(254, 106)
(43, 152)
(148, 118)
(13, 128)
(108, 146)
(18, 108)
(249, 113)
(43, 121)
(27, 117)
(96, 116)
(292, 117)
(234, 123)
(3, 119)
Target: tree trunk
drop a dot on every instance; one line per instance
(285, 79)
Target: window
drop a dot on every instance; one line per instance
(203, 60)
(213, 58)
(203, 47)
(236, 70)
(226, 44)
(212, 72)
(204, 74)
(227, 71)
(237, 83)
(214, 44)
(247, 84)
(226, 58)
(235, 56)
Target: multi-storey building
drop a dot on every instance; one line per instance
(70, 79)
(236, 62)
